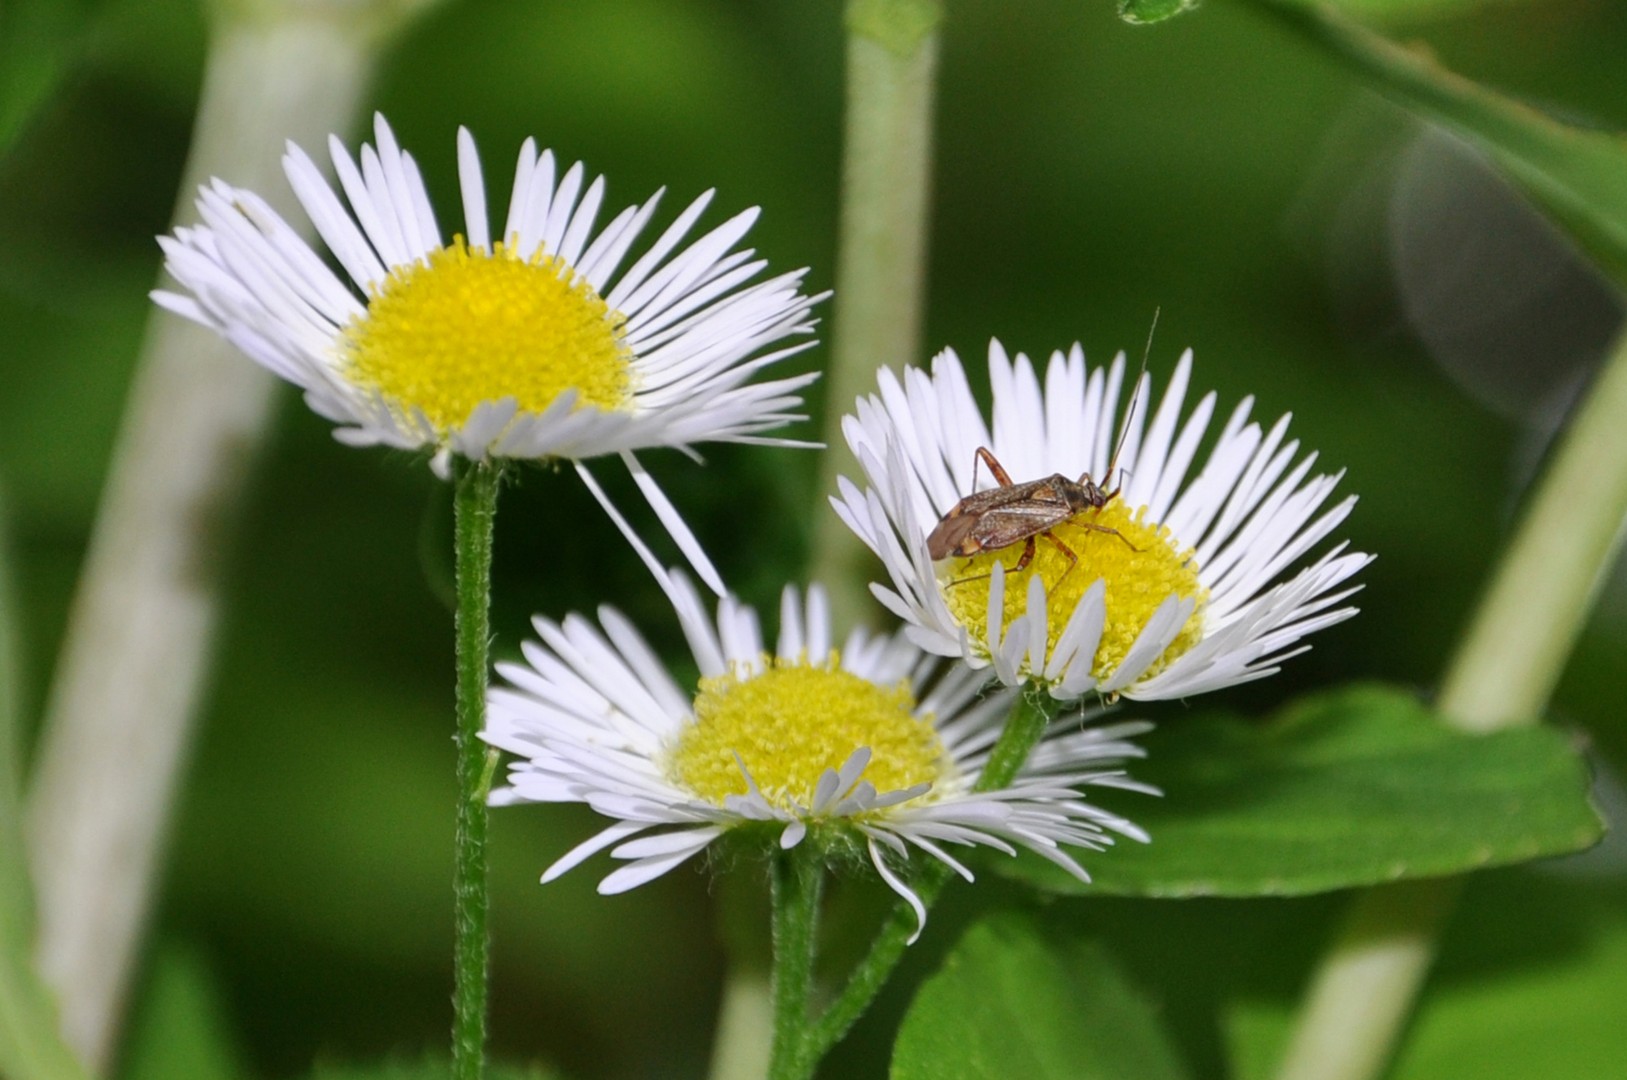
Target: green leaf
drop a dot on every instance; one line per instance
(180, 1028)
(431, 1069)
(1402, 11)
(1009, 1001)
(1554, 1019)
(1147, 12)
(37, 41)
(1578, 177)
(1529, 983)
(1359, 786)
(30, 1048)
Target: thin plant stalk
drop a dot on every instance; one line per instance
(797, 879)
(475, 512)
(1023, 731)
(120, 712)
(1503, 674)
(892, 60)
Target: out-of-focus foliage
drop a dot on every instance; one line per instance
(426, 1070)
(1354, 787)
(39, 40)
(29, 1045)
(1578, 176)
(1087, 173)
(1008, 1002)
(1404, 13)
(1529, 983)
(179, 1027)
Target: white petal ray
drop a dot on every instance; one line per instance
(473, 188)
(674, 523)
(896, 884)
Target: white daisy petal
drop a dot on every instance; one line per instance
(646, 870)
(473, 187)
(896, 884)
(525, 167)
(610, 836)
(674, 523)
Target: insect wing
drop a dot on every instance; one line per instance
(950, 533)
(1011, 525)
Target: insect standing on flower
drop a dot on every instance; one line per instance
(1018, 513)
(1025, 513)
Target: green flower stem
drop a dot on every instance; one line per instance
(892, 58)
(1022, 733)
(475, 512)
(127, 685)
(1503, 674)
(798, 875)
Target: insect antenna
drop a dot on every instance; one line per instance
(1129, 413)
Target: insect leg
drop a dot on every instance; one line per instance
(1107, 529)
(1067, 553)
(969, 578)
(1027, 556)
(985, 456)
(1021, 564)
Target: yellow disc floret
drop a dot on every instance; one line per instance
(792, 721)
(463, 327)
(1138, 564)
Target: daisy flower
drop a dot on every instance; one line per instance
(875, 742)
(531, 340)
(1167, 587)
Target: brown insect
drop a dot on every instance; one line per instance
(1027, 512)
(1018, 513)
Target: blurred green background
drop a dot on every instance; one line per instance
(1315, 247)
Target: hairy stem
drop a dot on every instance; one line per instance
(797, 877)
(475, 507)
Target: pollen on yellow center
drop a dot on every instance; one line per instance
(794, 720)
(465, 326)
(1137, 562)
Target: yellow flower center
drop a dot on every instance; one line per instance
(464, 327)
(1137, 562)
(794, 720)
